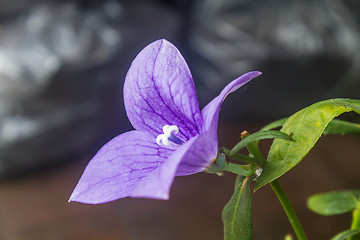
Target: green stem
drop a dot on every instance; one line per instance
(243, 158)
(254, 150)
(356, 221)
(245, 170)
(289, 210)
(280, 193)
(238, 156)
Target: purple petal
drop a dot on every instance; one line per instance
(159, 90)
(186, 158)
(200, 154)
(129, 161)
(211, 111)
(204, 148)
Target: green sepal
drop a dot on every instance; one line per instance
(306, 127)
(332, 203)
(260, 135)
(237, 214)
(346, 234)
(218, 165)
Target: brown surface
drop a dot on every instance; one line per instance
(36, 207)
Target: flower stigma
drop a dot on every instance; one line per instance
(168, 137)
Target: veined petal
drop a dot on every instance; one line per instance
(159, 90)
(124, 164)
(201, 152)
(191, 157)
(211, 111)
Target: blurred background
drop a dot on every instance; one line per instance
(62, 68)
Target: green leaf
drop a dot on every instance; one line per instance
(237, 214)
(275, 124)
(345, 234)
(306, 127)
(332, 203)
(267, 134)
(338, 126)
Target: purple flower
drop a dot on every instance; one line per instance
(172, 137)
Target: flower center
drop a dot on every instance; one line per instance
(168, 137)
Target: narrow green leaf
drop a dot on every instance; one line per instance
(338, 126)
(332, 203)
(268, 134)
(275, 124)
(237, 214)
(345, 234)
(306, 127)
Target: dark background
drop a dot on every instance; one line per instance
(62, 67)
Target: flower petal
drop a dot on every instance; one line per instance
(121, 166)
(159, 90)
(200, 154)
(185, 156)
(204, 147)
(211, 111)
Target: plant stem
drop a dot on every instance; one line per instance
(245, 170)
(280, 193)
(254, 150)
(356, 221)
(243, 158)
(238, 156)
(289, 210)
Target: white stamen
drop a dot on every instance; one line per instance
(164, 138)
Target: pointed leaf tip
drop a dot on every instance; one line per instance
(306, 127)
